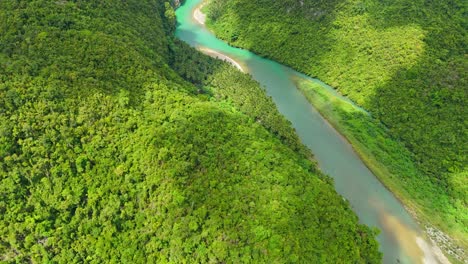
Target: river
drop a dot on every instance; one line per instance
(401, 240)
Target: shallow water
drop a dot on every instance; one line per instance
(400, 239)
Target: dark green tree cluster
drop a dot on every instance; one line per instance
(404, 61)
(119, 144)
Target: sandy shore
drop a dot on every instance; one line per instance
(432, 253)
(200, 18)
(215, 54)
(417, 247)
(198, 15)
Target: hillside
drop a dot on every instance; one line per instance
(404, 61)
(119, 143)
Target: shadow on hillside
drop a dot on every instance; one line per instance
(428, 116)
(244, 14)
(425, 105)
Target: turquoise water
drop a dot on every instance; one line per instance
(371, 201)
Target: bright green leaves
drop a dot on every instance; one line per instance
(404, 61)
(108, 154)
(169, 13)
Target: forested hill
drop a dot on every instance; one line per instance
(120, 144)
(404, 61)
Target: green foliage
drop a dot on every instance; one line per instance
(120, 144)
(392, 162)
(404, 61)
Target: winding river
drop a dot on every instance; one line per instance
(401, 241)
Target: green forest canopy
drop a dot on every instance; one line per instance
(118, 143)
(404, 61)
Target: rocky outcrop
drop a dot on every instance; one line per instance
(177, 3)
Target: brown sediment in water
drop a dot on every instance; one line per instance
(438, 238)
(415, 246)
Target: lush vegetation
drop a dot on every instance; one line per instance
(120, 144)
(391, 162)
(404, 61)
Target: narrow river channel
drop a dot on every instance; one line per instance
(401, 241)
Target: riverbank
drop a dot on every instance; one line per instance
(355, 59)
(389, 161)
(200, 18)
(215, 54)
(198, 15)
(375, 168)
